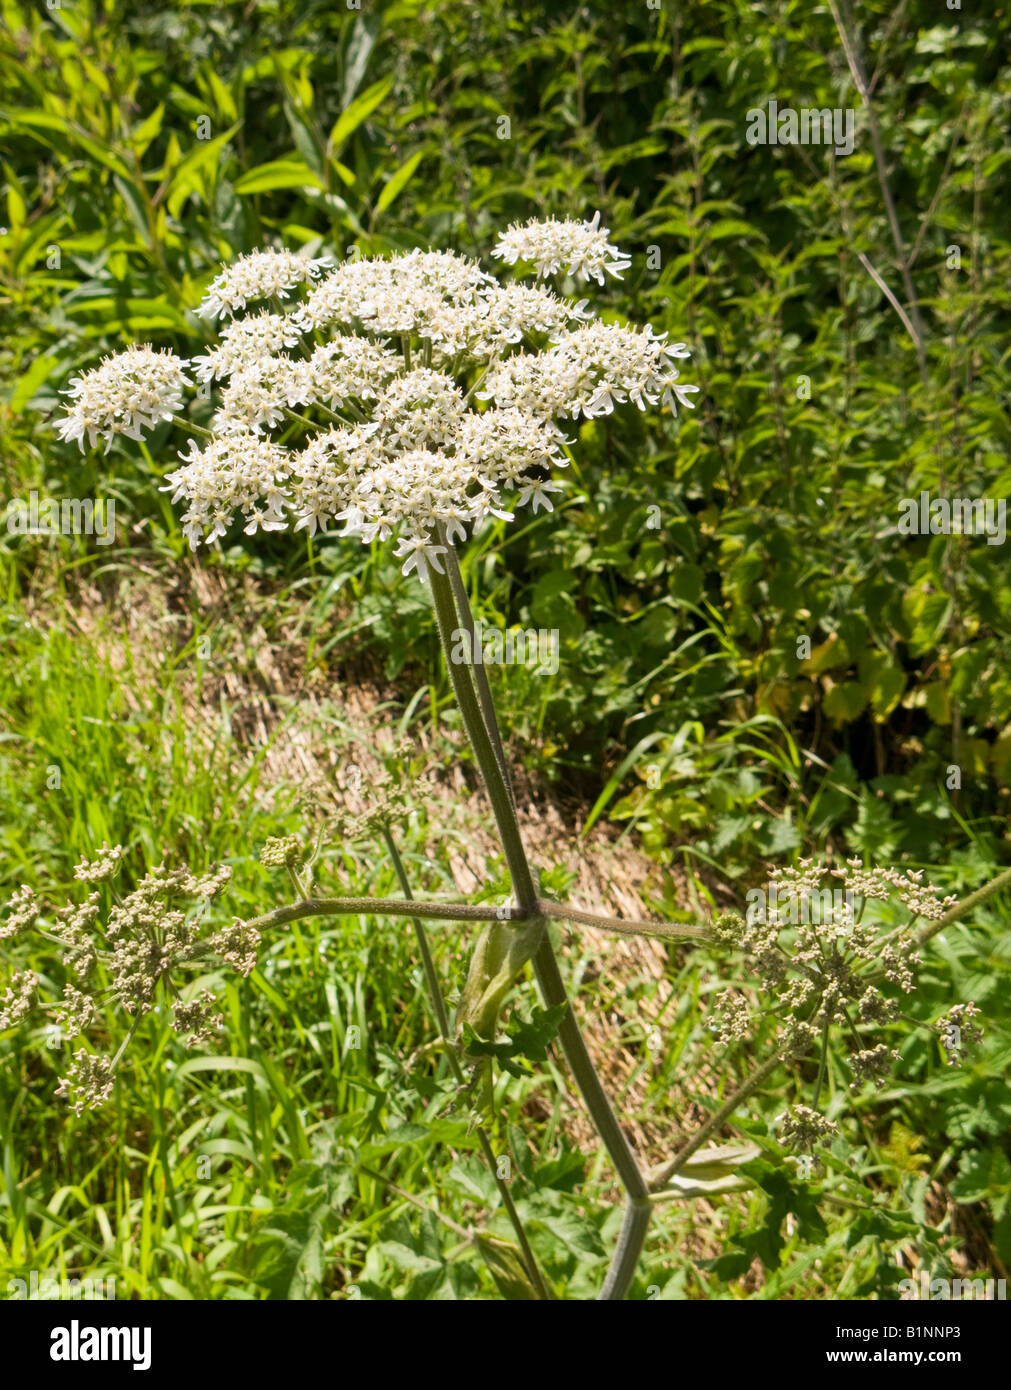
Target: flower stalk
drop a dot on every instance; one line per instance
(549, 979)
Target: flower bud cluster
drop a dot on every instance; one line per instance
(825, 962)
(130, 959)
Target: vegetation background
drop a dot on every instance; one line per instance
(687, 741)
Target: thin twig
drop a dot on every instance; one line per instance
(883, 287)
(534, 1274)
(843, 23)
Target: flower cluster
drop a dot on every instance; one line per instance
(23, 911)
(262, 275)
(826, 961)
(412, 396)
(127, 394)
(18, 998)
(391, 801)
(957, 1030)
(282, 853)
(581, 247)
(132, 959)
(801, 1127)
(102, 869)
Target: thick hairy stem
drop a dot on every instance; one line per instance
(630, 1243)
(375, 907)
(481, 684)
(463, 912)
(545, 965)
(670, 931)
(461, 675)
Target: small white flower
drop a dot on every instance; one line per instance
(582, 247)
(537, 491)
(259, 275)
(128, 393)
(420, 554)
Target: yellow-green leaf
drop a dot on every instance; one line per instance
(399, 181)
(278, 173)
(359, 110)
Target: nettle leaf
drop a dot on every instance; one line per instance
(985, 1109)
(765, 1242)
(396, 1139)
(564, 1173)
(532, 1039)
(471, 1176)
(528, 1040)
(981, 1175)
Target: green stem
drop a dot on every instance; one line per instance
(193, 429)
(439, 1008)
(630, 1243)
(457, 912)
(378, 907)
(661, 1176)
(549, 978)
(821, 1065)
(953, 914)
(671, 931)
(294, 416)
(461, 676)
(479, 669)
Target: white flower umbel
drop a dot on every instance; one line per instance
(411, 397)
(260, 275)
(581, 247)
(245, 342)
(237, 473)
(127, 394)
(588, 371)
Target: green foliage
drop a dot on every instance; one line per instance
(527, 1041)
(755, 661)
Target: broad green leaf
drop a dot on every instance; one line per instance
(399, 181)
(359, 110)
(36, 374)
(278, 173)
(148, 129)
(187, 178)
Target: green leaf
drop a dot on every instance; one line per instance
(16, 207)
(187, 178)
(844, 702)
(148, 130)
(359, 110)
(36, 374)
(278, 173)
(399, 181)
